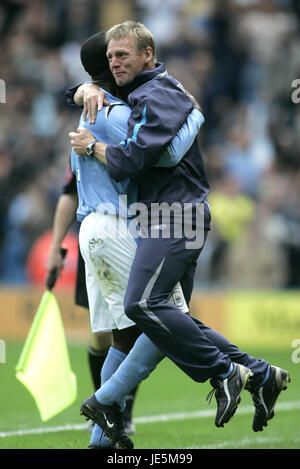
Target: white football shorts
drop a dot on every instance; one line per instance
(108, 250)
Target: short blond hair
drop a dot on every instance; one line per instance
(142, 36)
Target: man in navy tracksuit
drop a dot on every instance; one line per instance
(160, 106)
(161, 262)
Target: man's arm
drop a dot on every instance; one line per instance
(175, 152)
(183, 140)
(154, 122)
(65, 215)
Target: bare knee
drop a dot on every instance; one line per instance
(100, 340)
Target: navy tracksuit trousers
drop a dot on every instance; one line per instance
(199, 351)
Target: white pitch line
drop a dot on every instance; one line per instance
(36, 431)
(284, 406)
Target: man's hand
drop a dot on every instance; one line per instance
(54, 265)
(80, 140)
(92, 99)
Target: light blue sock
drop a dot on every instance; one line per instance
(112, 362)
(141, 360)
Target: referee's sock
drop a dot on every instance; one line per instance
(141, 360)
(96, 358)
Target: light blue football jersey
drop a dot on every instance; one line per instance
(94, 186)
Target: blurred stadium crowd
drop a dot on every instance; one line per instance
(237, 57)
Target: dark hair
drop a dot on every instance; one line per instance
(93, 54)
(94, 60)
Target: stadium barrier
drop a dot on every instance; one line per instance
(252, 318)
(247, 318)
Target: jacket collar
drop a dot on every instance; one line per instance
(145, 76)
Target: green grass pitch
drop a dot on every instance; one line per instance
(181, 417)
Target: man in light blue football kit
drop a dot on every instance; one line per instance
(211, 358)
(108, 262)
